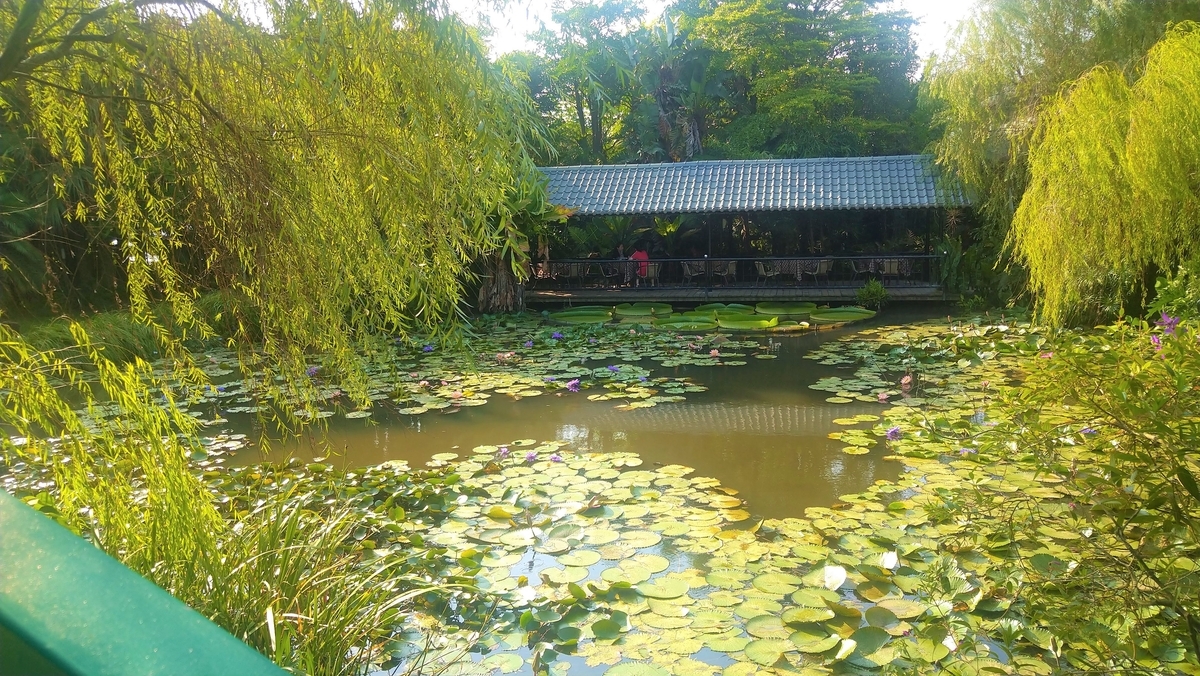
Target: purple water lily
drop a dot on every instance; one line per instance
(894, 434)
(529, 343)
(427, 348)
(1089, 430)
(504, 451)
(1156, 341)
(556, 458)
(548, 379)
(556, 336)
(531, 456)
(966, 451)
(1168, 324)
(642, 379)
(613, 368)
(313, 370)
(573, 385)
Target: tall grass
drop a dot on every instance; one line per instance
(114, 334)
(282, 578)
(282, 581)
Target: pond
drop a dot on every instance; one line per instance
(758, 429)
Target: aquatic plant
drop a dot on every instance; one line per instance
(872, 295)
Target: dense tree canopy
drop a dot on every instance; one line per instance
(336, 175)
(1113, 170)
(988, 86)
(738, 79)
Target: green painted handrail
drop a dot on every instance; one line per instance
(89, 615)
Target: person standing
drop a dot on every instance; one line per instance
(639, 254)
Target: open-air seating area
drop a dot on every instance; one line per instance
(890, 269)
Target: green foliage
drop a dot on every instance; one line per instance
(1131, 517)
(114, 334)
(346, 193)
(602, 236)
(331, 180)
(1065, 499)
(1112, 191)
(872, 295)
(814, 79)
(985, 91)
(1178, 295)
(737, 80)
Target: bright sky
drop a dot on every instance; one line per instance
(937, 18)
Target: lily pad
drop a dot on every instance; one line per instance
(667, 588)
(636, 669)
(768, 651)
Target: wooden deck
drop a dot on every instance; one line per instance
(726, 294)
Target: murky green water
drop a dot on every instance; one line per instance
(758, 429)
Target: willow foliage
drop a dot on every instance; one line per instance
(1003, 65)
(334, 177)
(1113, 185)
(338, 173)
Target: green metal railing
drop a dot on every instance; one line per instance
(68, 608)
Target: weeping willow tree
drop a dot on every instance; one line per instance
(1001, 67)
(1113, 180)
(334, 176)
(338, 173)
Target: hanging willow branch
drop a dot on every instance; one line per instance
(1113, 186)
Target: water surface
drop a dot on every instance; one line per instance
(758, 429)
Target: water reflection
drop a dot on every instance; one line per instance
(759, 429)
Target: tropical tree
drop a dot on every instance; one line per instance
(591, 71)
(815, 78)
(669, 117)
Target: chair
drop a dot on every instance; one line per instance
(728, 272)
(575, 273)
(766, 272)
(612, 274)
(691, 270)
(860, 267)
(651, 278)
(891, 268)
(821, 270)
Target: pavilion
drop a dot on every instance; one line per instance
(813, 228)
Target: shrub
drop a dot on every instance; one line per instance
(872, 295)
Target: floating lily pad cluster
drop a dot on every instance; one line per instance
(650, 571)
(597, 559)
(920, 365)
(864, 586)
(516, 356)
(764, 317)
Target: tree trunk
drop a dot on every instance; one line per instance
(596, 110)
(500, 291)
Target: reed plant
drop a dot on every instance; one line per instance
(282, 577)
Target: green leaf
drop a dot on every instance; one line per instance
(668, 588)
(870, 639)
(636, 669)
(507, 663)
(606, 629)
(1189, 482)
(767, 651)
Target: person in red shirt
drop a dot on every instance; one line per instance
(639, 254)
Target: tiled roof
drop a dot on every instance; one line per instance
(896, 182)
